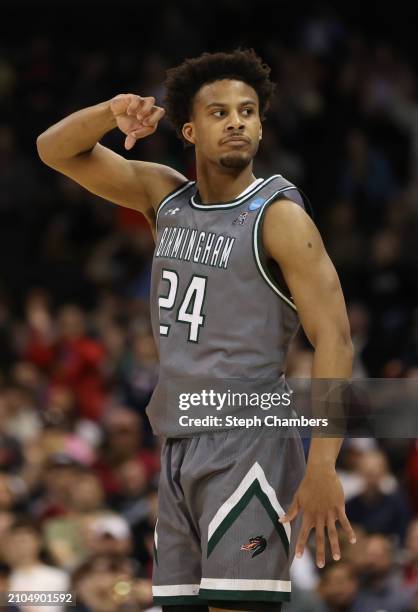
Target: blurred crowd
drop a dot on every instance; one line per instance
(78, 463)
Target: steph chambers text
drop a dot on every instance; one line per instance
(249, 422)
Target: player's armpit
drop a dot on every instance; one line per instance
(135, 184)
(291, 238)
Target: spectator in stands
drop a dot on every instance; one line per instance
(5, 587)
(376, 509)
(21, 548)
(380, 583)
(410, 570)
(367, 178)
(11, 493)
(109, 534)
(411, 469)
(66, 537)
(141, 372)
(123, 442)
(338, 588)
(22, 420)
(60, 480)
(40, 332)
(76, 362)
(133, 486)
(107, 583)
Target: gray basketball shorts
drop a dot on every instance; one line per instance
(217, 536)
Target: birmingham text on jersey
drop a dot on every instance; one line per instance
(188, 244)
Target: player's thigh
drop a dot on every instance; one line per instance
(177, 553)
(244, 546)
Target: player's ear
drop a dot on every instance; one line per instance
(188, 132)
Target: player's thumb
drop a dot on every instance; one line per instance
(291, 513)
(130, 140)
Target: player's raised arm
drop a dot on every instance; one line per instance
(72, 147)
(292, 239)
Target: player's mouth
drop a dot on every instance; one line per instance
(236, 140)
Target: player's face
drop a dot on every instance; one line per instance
(225, 126)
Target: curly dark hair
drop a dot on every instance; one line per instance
(184, 81)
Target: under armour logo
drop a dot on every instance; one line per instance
(172, 211)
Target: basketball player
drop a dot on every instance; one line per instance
(238, 263)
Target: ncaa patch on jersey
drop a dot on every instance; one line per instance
(256, 204)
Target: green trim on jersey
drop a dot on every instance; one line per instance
(259, 257)
(261, 596)
(176, 600)
(254, 490)
(233, 203)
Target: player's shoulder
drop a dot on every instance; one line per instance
(286, 209)
(288, 199)
(162, 181)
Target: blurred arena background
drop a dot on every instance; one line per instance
(78, 465)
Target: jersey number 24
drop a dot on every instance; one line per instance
(190, 308)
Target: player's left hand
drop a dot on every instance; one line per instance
(320, 497)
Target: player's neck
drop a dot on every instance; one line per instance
(222, 184)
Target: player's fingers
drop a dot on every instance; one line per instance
(291, 512)
(303, 537)
(143, 131)
(156, 114)
(145, 108)
(134, 105)
(320, 542)
(345, 524)
(333, 538)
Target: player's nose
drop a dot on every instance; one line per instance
(235, 122)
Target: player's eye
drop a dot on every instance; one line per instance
(248, 111)
(219, 113)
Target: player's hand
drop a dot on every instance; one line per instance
(135, 116)
(320, 497)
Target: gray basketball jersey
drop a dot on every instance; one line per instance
(219, 305)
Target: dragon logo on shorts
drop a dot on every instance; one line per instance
(257, 545)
